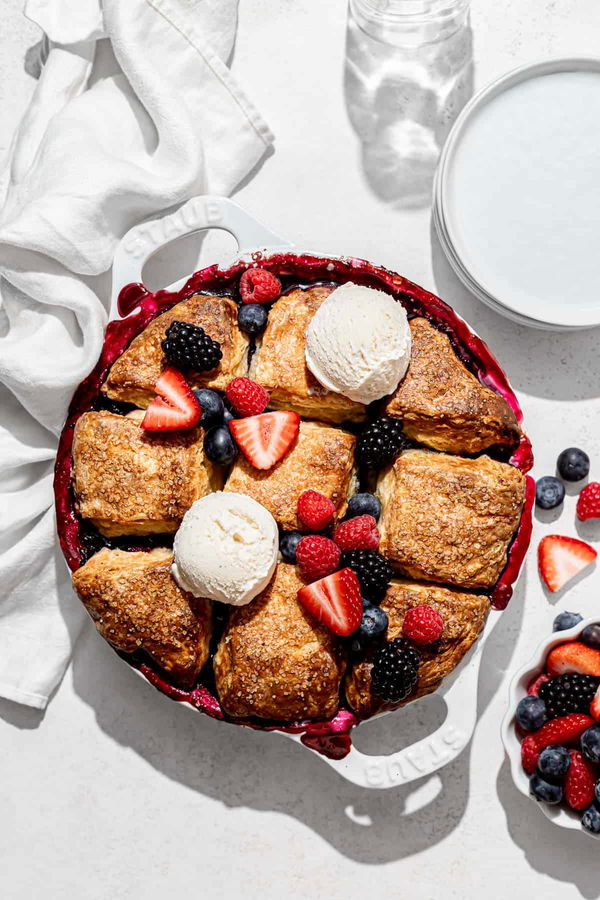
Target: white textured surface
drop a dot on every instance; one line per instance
(117, 793)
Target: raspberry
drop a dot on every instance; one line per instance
(423, 624)
(529, 754)
(534, 688)
(247, 397)
(588, 504)
(317, 556)
(259, 286)
(580, 781)
(564, 730)
(359, 533)
(315, 511)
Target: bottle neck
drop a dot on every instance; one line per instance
(410, 22)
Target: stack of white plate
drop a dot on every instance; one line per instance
(517, 195)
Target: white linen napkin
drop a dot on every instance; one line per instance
(93, 156)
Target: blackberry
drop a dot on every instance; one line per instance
(373, 571)
(188, 347)
(379, 442)
(571, 693)
(395, 670)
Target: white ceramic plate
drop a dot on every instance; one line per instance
(517, 194)
(561, 816)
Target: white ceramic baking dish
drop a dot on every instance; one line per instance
(459, 690)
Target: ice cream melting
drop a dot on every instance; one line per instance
(226, 548)
(358, 343)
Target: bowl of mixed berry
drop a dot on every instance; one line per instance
(551, 731)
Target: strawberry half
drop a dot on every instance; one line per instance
(562, 558)
(335, 601)
(580, 781)
(564, 730)
(265, 439)
(175, 407)
(573, 656)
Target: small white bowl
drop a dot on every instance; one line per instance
(559, 815)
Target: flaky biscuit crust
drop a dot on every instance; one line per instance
(129, 481)
(443, 405)
(464, 616)
(274, 661)
(134, 374)
(137, 605)
(279, 363)
(322, 459)
(449, 519)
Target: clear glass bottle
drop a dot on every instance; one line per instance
(408, 75)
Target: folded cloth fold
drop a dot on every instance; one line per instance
(95, 153)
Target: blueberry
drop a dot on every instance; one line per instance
(228, 415)
(549, 492)
(591, 820)
(374, 622)
(288, 542)
(252, 317)
(566, 620)
(212, 407)
(364, 505)
(554, 762)
(591, 636)
(531, 713)
(544, 790)
(590, 743)
(573, 464)
(219, 445)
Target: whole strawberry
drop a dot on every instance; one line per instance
(588, 503)
(564, 730)
(359, 533)
(247, 397)
(315, 510)
(423, 625)
(317, 556)
(259, 286)
(529, 754)
(579, 781)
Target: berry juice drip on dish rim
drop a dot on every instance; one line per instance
(332, 738)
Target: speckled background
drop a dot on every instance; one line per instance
(116, 792)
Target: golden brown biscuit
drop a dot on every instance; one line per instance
(449, 519)
(129, 481)
(464, 616)
(444, 406)
(279, 363)
(275, 661)
(134, 374)
(322, 459)
(136, 605)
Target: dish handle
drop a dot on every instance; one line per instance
(198, 214)
(431, 753)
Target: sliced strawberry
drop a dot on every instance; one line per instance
(562, 558)
(564, 730)
(580, 781)
(335, 601)
(573, 656)
(175, 407)
(595, 706)
(534, 688)
(265, 439)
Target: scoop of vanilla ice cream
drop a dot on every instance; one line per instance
(226, 548)
(358, 343)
